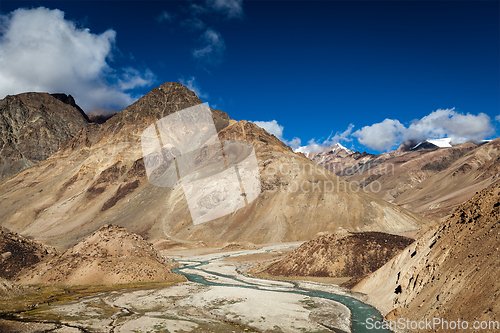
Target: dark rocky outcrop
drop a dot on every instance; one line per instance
(340, 255)
(18, 252)
(33, 126)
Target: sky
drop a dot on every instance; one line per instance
(367, 74)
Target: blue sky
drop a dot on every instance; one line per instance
(369, 74)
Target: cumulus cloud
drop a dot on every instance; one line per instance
(229, 8)
(212, 50)
(312, 147)
(277, 130)
(42, 51)
(441, 123)
(380, 136)
(272, 127)
(319, 147)
(192, 85)
(497, 118)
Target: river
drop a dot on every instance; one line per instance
(218, 297)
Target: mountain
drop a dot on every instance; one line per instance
(338, 158)
(110, 255)
(433, 182)
(340, 255)
(430, 177)
(450, 272)
(33, 126)
(98, 177)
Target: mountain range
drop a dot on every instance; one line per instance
(420, 176)
(77, 207)
(98, 177)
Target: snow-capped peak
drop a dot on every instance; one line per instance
(338, 146)
(441, 143)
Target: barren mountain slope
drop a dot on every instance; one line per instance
(440, 194)
(32, 127)
(109, 255)
(451, 272)
(98, 178)
(340, 255)
(433, 182)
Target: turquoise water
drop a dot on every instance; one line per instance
(360, 311)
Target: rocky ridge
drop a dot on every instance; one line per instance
(450, 272)
(98, 177)
(32, 127)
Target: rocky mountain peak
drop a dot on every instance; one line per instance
(32, 127)
(68, 99)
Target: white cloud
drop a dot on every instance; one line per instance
(42, 51)
(277, 130)
(497, 118)
(441, 123)
(294, 143)
(230, 8)
(319, 147)
(272, 127)
(212, 50)
(192, 85)
(449, 123)
(344, 136)
(312, 147)
(380, 136)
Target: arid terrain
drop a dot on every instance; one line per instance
(429, 181)
(450, 272)
(98, 177)
(351, 255)
(88, 244)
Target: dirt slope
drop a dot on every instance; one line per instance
(451, 272)
(110, 255)
(340, 255)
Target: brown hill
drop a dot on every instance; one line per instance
(110, 255)
(18, 252)
(98, 177)
(32, 127)
(450, 272)
(340, 255)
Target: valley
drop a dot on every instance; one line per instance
(90, 242)
(218, 297)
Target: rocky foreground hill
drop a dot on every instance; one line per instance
(110, 255)
(98, 177)
(450, 272)
(18, 252)
(33, 126)
(340, 255)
